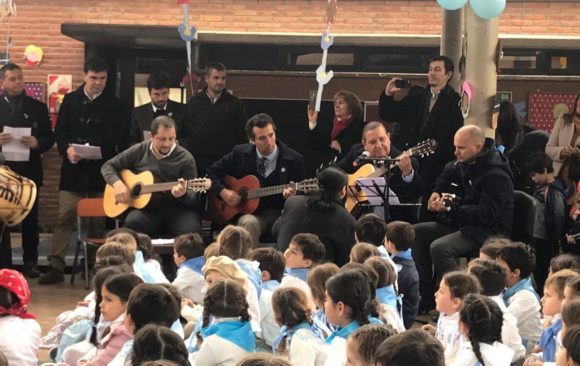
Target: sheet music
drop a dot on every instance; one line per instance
(88, 152)
(15, 150)
(369, 187)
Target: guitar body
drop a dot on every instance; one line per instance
(221, 213)
(133, 181)
(354, 196)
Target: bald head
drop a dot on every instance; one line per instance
(468, 141)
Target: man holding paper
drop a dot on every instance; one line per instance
(25, 128)
(88, 116)
(404, 179)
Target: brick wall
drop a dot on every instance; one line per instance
(38, 22)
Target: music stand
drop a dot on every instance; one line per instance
(378, 193)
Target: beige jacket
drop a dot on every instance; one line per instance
(560, 137)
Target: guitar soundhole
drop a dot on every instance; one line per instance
(244, 194)
(136, 190)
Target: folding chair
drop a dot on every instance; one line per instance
(87, 208)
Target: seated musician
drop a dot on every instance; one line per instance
(481, 180)
(171, 213)
(404, 179)
(271, 161)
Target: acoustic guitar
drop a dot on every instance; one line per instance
(249, 188)
(141, 186)
(356, 195)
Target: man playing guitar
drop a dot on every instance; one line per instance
(404, 180)
(272, 162)
(175, 213)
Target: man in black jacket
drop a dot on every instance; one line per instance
(21, 111)
(160, 105)
(215, 120)
(425, 113)
(403, 180)
(90, 116)
(481, 179)
(271, 161)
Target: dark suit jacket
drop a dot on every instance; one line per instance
(417, 124)
(143, 115)
(32, 114)
(242, 161)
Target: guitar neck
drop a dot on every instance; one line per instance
(266, 191)
(157, 187)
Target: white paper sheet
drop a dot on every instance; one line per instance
(162, 241)
(374, 197)
(15, 150)
(88, 152)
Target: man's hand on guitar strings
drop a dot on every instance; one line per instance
(179, 190)
(122, 194)
(231, 198)
(405, 164)
(436, 203)
(289, 191)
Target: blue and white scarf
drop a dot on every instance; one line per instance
(195, 264)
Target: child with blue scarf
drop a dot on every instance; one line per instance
(552, 302)
(347, 306)
(400, 236)
(272, 267)
(188, 257)
(317, 283)
(518, 259)
(229, 336)
(298, 337)
(304, 252)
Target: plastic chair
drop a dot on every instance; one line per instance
(87, 208)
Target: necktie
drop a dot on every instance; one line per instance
(262, 166)
(159, 112)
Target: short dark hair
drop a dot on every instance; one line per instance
(565, 261)
(401, 234)
(539, 162)
(271, 261)
(259, 120)
(369, 337)
(310, 246)
(145, 302)
(371, 229)
(520, 256)
(412, 347)
(447, 63)
(157, 80)
(189, 245)
(122, 284)
(161, 121)
(8, 67)
(492, 246)
(491, 276)
(214, 66)
(571, 312)
(461, 284)
(95, 64)
(154, 342)
(571, 342)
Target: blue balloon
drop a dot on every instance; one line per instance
(487, 9)
(451, 4)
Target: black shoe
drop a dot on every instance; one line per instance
(51, 276)
(30, 270)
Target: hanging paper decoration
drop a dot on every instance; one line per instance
(7, 8)
(33, 55)
(187, 33)
(487, 9)
(326, 41)
(451, 4)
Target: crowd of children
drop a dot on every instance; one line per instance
(231, 304)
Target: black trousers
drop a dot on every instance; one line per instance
(435, 251)
(166, 221)
(29, 239)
